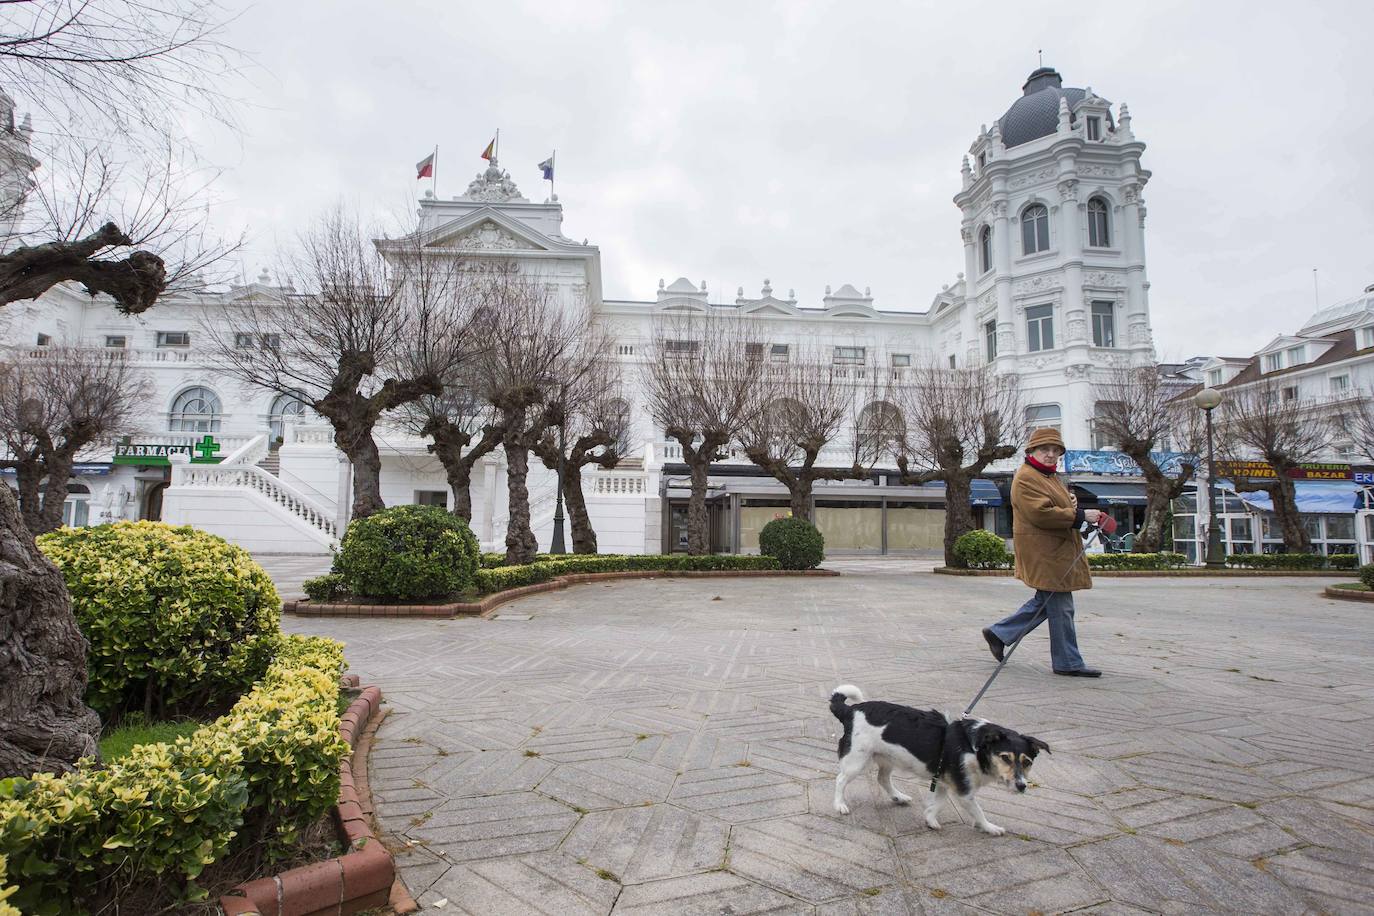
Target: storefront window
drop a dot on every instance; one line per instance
(851, 525)
(1312, 524)
(1242, 539)
(1340, 528)
(754, 514)
(915, 526)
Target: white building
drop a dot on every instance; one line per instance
(1053, 288)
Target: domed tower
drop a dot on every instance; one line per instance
(1054, 252)
(16, 170)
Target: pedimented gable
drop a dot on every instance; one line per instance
(489, 230)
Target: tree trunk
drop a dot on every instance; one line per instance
(44, 725)
(361, 450)
(698, 533)
(29, 476)
(1284, 496)
(579, 519)
(799, 490)
(459, 475)
(1159, 491)
(59, 471)
(958, 512)
(521, 545)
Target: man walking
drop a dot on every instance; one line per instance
(1049, 556)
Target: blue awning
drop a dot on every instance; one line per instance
(80, 469)
(1315, 496)
(1114, 494)
(984, 493)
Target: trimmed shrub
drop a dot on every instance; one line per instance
(175, 617)
(324, 588)
(1367, 575)
(1276, 560)
(981, 550)
(407, 552)
(795, 542)
(1342, 561)
(165, 811)
(1162, 560)
(505, 577)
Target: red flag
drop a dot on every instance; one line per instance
(425, 167)
(490, 150)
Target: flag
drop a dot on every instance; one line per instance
(547, 168)
(425, 167)
(489, 151)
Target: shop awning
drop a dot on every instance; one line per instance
(1115, 494)
(1317, 496)
(984, 493)
(80, 469)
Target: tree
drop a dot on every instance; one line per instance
(55, 402)
(370, 333)
(1138, 414)
(1259, 421)
(118, 71)
(805, 406)
(702, 390)
(590, 415)
(452, 420)
(1355, 420)
(957, 422)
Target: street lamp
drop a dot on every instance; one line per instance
(557, 545)
(1209, 399)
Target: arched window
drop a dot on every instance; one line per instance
(985, 249)
(1099, 226)
(1035, 229)
(195, 410)
(284, 406)
(880, 432)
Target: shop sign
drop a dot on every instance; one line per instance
(1261, 470)
(1119, 464)
(158, 453)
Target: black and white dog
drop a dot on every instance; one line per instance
(963, 754)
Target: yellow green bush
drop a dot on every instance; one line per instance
(6, 891)
(177, 619)
(166, 811)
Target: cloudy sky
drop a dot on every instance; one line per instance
(819, 143)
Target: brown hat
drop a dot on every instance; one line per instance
(1045, 435)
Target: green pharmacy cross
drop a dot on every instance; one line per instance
(205, 449)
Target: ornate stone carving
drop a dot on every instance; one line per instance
(1031, 178)
(488, 237)
(492, 186)
(1068, 191)
(1079, 372)
(1005, 341)
(1044, 361)
(1103, 278)
(999, 209)
(1131, 193)
(966, 233)
(1077, 328)
(1088, 170)
(1140, 333)
(988, 300)
(1036, 285)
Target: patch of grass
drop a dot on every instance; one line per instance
(417, 821)
(641, 737)
(607, 875)
(531, 753)
(136, 730)
(871, 891)
(939, 893)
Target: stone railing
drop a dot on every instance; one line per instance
(309, 434)
(250, 477)
(614, 483)
(251, 452)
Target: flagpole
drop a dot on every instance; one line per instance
(496, 153)
(554, 161)
(434, 174)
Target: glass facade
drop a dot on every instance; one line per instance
(851, 526)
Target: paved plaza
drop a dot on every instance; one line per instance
(664, 746)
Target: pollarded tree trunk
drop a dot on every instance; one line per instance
(799, 493)
(958, 512)
(29, 476)
(521, 545)
(1284, 496)
(44, 725)
(361, 449)
(59, 472)
(1159, 491)
(579, 519)
(698, 533)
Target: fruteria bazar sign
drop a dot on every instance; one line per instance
(1261, 470)
(159, 453)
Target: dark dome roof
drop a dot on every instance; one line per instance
(1036, 113)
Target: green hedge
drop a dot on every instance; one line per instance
(981, 550)
(165, 811)
(1367, 575)
(493, 560)
(407, 552)
(172, 614)
(796, 543)
(1342, 561)
(506, 577)
(324, 588)
(1276, 560)
(1136, 560)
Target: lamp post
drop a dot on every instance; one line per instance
(557, 545)
(1209, 399)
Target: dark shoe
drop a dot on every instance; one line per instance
(995, 645)
(1080, 672)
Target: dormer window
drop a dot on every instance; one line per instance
(1214, 378)
(1295, 357)
(1094, 128)
(1366, 338)
(1273, 362)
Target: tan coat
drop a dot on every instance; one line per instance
(1049, 551)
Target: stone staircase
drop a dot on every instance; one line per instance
(272, 463)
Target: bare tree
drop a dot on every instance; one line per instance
(958, 421)
(588, 424)
(805, 406)
(53, 404)
(1259, 422)
(1355, 420)
(1137, 413)
(101, 69)
(462, 430)
(702, 389)
(369, 334)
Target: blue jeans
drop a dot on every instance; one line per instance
(1058, 608)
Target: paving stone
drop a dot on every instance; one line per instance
(489, 773)
(608, 783)
(685, 751)
(811, 857)
(800, 758)
(716, 893)
(1233, 830)
(897, 901)
(870, 807)
(1332, 880)
(645, 843)
(739, 794)
(549, 885)
(492, 826)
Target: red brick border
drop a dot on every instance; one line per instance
(1167, 573)
(306, 608)
(361, 878)
(1347, 594)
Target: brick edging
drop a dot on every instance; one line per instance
(1347, 594)
(362, 877)
(307, 608)
(1167, 573)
